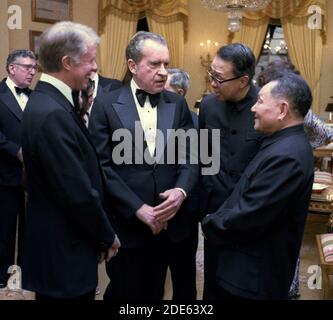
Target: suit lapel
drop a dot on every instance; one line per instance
(129, 117)
(165, 121)
(61, 99)
(9, 100)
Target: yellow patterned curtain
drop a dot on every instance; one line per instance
(118, 30)
(117, 24)
(252, 34)
(304, 44)
(171, 29)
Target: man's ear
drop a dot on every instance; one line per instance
(67, 63)
(284, 109)
(11, 69)
(181, 91)
(132, 66)
(244, 81)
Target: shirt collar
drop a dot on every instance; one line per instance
(268, 140)
(96, 79)
(134, 86)
(11, 85)
(60, 85)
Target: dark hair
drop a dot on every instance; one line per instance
(295, 90)
(241, 57)
(179, 79)
(274, 70)
(135, 46)
(23, 53)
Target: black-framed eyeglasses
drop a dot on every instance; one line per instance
(27, 67)
(220, 81)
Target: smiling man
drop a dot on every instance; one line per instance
(257, 232)
(67, 227)
(152, 227)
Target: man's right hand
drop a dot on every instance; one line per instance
(146, 214)
(111, 251)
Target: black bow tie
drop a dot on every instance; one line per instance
(26, 91)
(142, 94)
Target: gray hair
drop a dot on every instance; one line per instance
(65, 38)
(23, 53)
(136, 45)
(179, 79)
(295, 90)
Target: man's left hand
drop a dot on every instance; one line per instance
(173, 199)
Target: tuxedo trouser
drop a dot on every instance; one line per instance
(12, 206)
(139, 273)
(210, 268)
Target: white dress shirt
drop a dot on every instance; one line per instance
(22, 98)
(148, 118)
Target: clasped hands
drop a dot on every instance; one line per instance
(157, 217)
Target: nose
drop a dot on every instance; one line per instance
(94, 67)
(253, 109)
(163, 70)
(213, 83)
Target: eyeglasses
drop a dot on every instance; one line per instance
(220, 81)
(27, 67)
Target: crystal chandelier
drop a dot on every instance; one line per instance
(234, 9)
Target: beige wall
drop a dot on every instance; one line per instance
(3, 36)
(203, 24)
(84, 11)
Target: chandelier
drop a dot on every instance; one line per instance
(234, 9)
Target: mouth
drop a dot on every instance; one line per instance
(161, 81)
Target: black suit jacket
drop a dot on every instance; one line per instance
(65, 218)
(108, 84)
(10, 137)
(144, 180)
(238, 144)
(258, 230)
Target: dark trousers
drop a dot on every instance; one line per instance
(210, 266)
(139, 273)
(12, 207)
(86, 296)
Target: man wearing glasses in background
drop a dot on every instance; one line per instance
(228, 109)
(14, 93)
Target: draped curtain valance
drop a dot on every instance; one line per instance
(159, 8)
(290, 9)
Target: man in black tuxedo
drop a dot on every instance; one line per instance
(99, 85)
(228, 110)
(179, 82)
(14, 93)
(257, 232)
(108, 84)
(67, 228)
(152, 227)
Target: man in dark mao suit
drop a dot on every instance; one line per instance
(153, 229)
(227, 110)
(67, 229)
(258, 230)
(14, 93)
